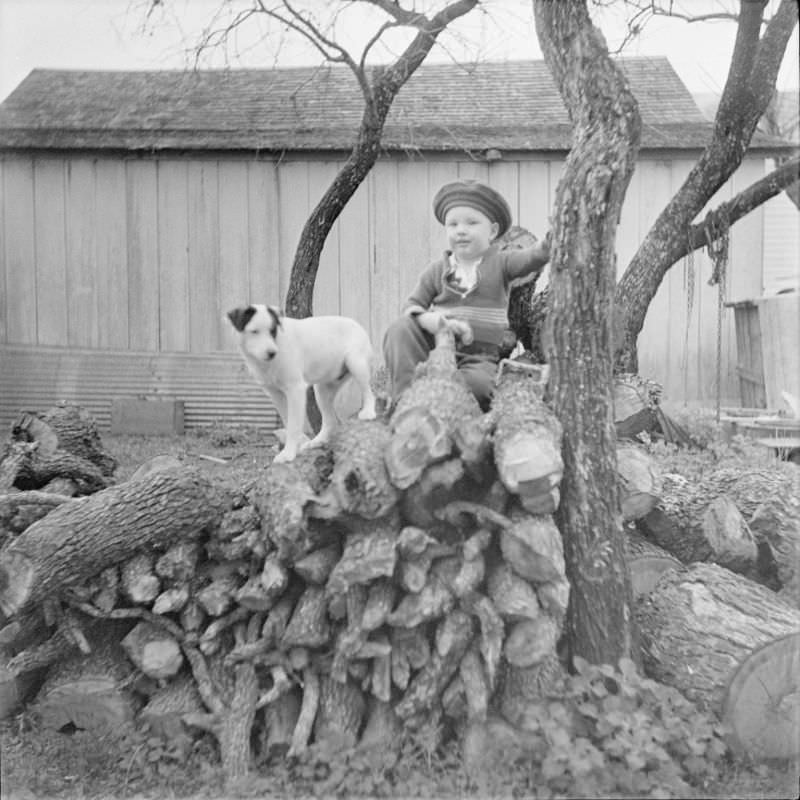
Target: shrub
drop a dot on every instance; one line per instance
(612, 734)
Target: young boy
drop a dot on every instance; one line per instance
(468, 287)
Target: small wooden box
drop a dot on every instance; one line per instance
(146, 415)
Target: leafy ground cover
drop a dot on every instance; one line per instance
(613, 734)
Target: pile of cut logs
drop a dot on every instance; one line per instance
(410, 573)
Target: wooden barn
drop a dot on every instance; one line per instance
(137, 207)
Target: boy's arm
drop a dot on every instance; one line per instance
(527, 261)
(426, 289)
(419, 302)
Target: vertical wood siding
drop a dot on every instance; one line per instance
(147, 255)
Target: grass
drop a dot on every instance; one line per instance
(38, 763)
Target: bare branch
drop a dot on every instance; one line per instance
(373, 41)
(330, 50)
(411, 19)
(746, 201)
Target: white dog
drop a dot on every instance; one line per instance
(287, 355)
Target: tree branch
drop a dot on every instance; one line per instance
(748, 89)
(746, 201)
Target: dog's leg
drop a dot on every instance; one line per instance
(360, 370)
(295, 417)
(279, 401)
(325, 394)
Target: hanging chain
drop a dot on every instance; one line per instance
(717, 231)
(688, 280)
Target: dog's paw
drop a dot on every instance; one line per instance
(285, 456)
(318, 441)
(367, 413)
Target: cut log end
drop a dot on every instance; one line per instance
(762, 704)
(16, 580)
(530, 460)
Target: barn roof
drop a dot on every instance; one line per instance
(511, 105)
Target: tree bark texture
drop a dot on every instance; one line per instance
(589, 197)
(80, 538)
(699, 625)
(748, 90)
(379, 94)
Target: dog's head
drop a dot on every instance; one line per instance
(258, 328)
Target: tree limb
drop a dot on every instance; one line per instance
(747, 200)
(748, 89)
(379, 95)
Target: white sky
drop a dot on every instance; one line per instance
(111, 34)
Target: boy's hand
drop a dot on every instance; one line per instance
(544, 246)
(460, 329)
(432, 321)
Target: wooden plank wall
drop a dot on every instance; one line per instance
(147, 254)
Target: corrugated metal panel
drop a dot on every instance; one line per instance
(214, 388)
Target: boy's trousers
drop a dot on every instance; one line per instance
(406, 344)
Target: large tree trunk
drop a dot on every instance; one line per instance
(589, 197)
(379, 95)
(748, 90)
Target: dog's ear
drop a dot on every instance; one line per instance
(277, 316)
(239, 317)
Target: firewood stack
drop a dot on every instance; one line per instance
(408, 573)
(411, 573)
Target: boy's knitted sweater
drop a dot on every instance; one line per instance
(485, 304)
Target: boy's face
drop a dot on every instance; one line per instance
(469, 232)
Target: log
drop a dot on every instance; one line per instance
(167, 706)
(19, 510)
(695, 527)
(339, 716)
(14, 455)
(309, 625)
(523, 687)
(88, 692)
(170, 601)
(140, 584)
(81, 538)
(635, 400)
(370, 552)
(280, 719)
(639, 481)
(430, 681)
(646, 563)
(530, 641)
(317, 566)
(761, 706)
(512, 596)
(178, 563)
(533, 548)
(153, 651)
(382, 727)
(107, 594)
(527, 439)
(217, 597)
(770, 503)
(36, 471)
(284, 499)
(308, 713)
(699, 628)
(359, 483)
(428, 413)
(66, 427)
(438, 485)
(476, 686)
